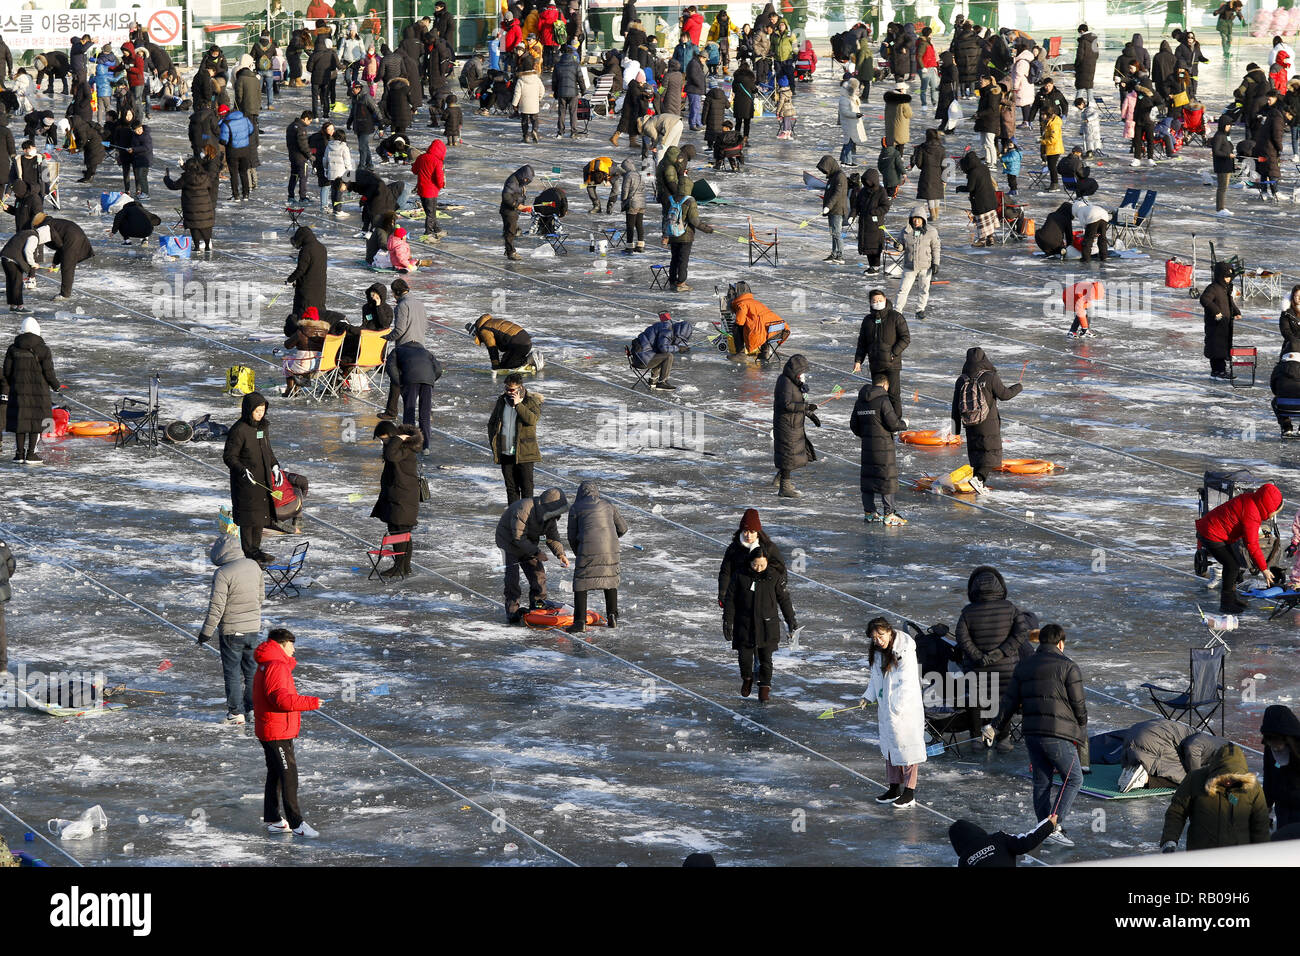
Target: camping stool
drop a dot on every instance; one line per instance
(294, 213)
(1261, 284)
(615, 236)
(283, 573)
(386, 549)
(640, 371)
(659, 277)
(1243, 358)
(556, 241)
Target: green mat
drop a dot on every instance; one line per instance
(1102, 782)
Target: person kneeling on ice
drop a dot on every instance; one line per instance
(399, 253)
(235, 609)
(595, 525)
(875, 421)
(1238, 519)
(755, 594)
(277, 707)
(399, 488)
(519, 534)
(599, 172)
(976, 847)
(509, 346)
(653, 349)
(895, 684)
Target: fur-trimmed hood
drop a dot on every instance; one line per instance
(1227, 771)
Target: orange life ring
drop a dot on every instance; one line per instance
(931, 437)
(1026, 466)
(558, 617)
(93, 429)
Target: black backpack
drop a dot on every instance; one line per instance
(972, 403)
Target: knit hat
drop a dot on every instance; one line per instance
(310, 314)
(400, 287)
(399, 232)
(749, 521)
(223, 109)
(29, 325)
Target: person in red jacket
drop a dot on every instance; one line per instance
(1238, 519)
(514, 37)
(693, 24)
(276, 708)
(546, 23)
(429, 181)
(133, 63)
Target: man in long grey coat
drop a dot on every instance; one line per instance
(235, 608)
(595, 525)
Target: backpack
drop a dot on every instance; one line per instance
(560, 30)
(972, 404)
(675, 217)
(264, 63)
(1035, 70)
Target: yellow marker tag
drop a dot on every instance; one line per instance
(804, 223)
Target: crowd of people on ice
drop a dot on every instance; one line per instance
(109, 92)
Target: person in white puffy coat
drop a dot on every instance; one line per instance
(850, 112)
(895, 684)
(339, 169)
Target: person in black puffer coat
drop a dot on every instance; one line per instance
(966, 50)
(983, 440)
(1281, 732)
(750, 619)
(749, 536)
(1057, 231)
(514, 198)
(198, 203)
(928, 158)
(882, 339)
(1221, 311)
(1285, 383)
(204, 129)
(133, 221)
(28, 379)
(991, 635)
(70, 247)
(309, 276)
(983, 195)
(875, 421)
(872, 205)
(792, 449)
(399, 490)
(90, 139)
(254, 471)
(1085, 61)
(1288, 322)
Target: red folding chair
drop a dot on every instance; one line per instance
(385, 550)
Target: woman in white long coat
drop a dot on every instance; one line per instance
(895, 684)
(855, 131)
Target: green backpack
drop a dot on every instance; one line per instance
(560, 30)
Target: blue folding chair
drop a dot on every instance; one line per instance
(283, 573)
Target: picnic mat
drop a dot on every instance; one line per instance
(1102, 782)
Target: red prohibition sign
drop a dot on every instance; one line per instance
(164, 26)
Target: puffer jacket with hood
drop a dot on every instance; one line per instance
(1021, 87)
(928, 159)
(921, 250)
(428, 169)
(27, 380)
(850, 113)
(983, 441)
(1155, 745)
(248, 449)
(991, 632)
(309, 274)
(1047, 687)
(751, 317)
(514, 194)
(891, 165)
(873, 204)
(1282, 780)
(631, 190)
(836, 196)
(670, 91)
(978, 848)
(979, 183)
(595, 525)
(195, 184)
(277, 705)
(1285, 380)
(875, 421)
(1164, 72)
(1221, 804)
(1239, 518)
(1222, 148)
(988, 115)
(898, 117)
(399, 484)
(1085, 62)
(882, 338)
(525, 523)
(792, 449)
(235, 604)
(1141, 55)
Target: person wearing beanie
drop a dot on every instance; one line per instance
(27, 381)
(756, 593)
(519, 533)
(277, 709)
(19, 258)
(748, 538)
(653, 349)
(399, 488)
(1280, 730)
(976, 847)
(1238, 519)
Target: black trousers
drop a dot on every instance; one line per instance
(198, 236)
(1231, 568)
(13, 283)
(567, 105)
(895, 387)
(580, 605)
(519, 478)
(298, 177)
(528, 124)
(4, 641)
(515, 357)
(681, 258)
(742, 123)
(141, 174)
(67, 272)
(250, 540)
(634, 226)
(747, 655)
(1095, 232)
(430, 207)
(281, 783)
(238, 174)
(509, 226)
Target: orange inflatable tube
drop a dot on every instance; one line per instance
(1026, 466)
(93, 429)
(559, 617)
(931, 437)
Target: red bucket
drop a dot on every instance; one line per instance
(1178, 274)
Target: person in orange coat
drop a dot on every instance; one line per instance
(753, 320)
(1079, 296)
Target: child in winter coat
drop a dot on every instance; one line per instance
(338, 168)
(141, 150)
(453, 119)
(1078, 297)
(1089, 126)
(786, 111)
(1011, 160)
(1052, 144)
(892, 168)
(399, 253)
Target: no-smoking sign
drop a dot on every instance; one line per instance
(164, 26)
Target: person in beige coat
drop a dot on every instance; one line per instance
(528, 101)
(850, 115)
(898, 116)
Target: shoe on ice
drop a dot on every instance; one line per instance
(746, 686)
(1136, 163)
(894, 520)
(979, 486)
(871, 517)
(234, 720)
(890, 795)
(905, 799)
(666, 386)
(305, 829)
(764, 693)
(1132, 778)
(788, 490)
(33, 458)
(1224, 213)
(1059, 837)
(281, 827)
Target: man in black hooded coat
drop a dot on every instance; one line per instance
(790, 407)
(1085, 62)
(514, 198)
(70, 247)
(984, 439)
(1221, 311)
(876, 421)
(308, 277)
(254, 471)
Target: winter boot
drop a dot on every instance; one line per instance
(252, 178)
(614, 139)
(890, 795)
(746, 686)
(395, 570)
(764, 692)
(788, 490)
(406, 557)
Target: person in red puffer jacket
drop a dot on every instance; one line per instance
(429, 181)
(276, 707)
(546, 24)
(133, 63)
(1238, 519)
(692, 24)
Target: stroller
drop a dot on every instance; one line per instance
(1221, 486)
(1194, 125)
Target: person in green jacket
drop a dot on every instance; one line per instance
(512, 436)
(1221, 804)
(864, 67)
(892, 168)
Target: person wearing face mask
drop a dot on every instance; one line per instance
(754, 597)
(512, 436)
(881, 341)
(1281, 732)
(921, 255)
(792, 449)
(895, 684)
(749, 537)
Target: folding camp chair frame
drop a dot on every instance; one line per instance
(1243, 357)
(1131, 224)
(1039, 179)
(1053, 53)
(617, 237)
(763, 250)
(373, 373)
(640, 371)
(556, 240)
(1180, 706)
(295, 213)
(1103, 107)
(327, 379)
(385, 550)
(52, 187)
(659, 277)
(600, 90)
(282, 574)
(137, 420)
(581, 122)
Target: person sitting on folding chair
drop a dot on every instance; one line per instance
(1238, 519)
(235, 610)
(755, 326)
(509, 346)
(550, 207)
(653, 349)
(1285, 383)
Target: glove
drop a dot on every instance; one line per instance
(277, 476)
(826, 210)
(985, 660)
(988, 735)
(204, 638)
(934, 274)
(726, 631)
(1169, 847)
(812, 407)
(1291, 549)
(903, 423)
(814, 419)
(249, 475)
(525, 208)
(705, 227)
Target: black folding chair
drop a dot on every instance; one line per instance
(137, 420)
(1203, 695)
(763, 247)
(282, 574)
(659, 277)
(640, 371)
